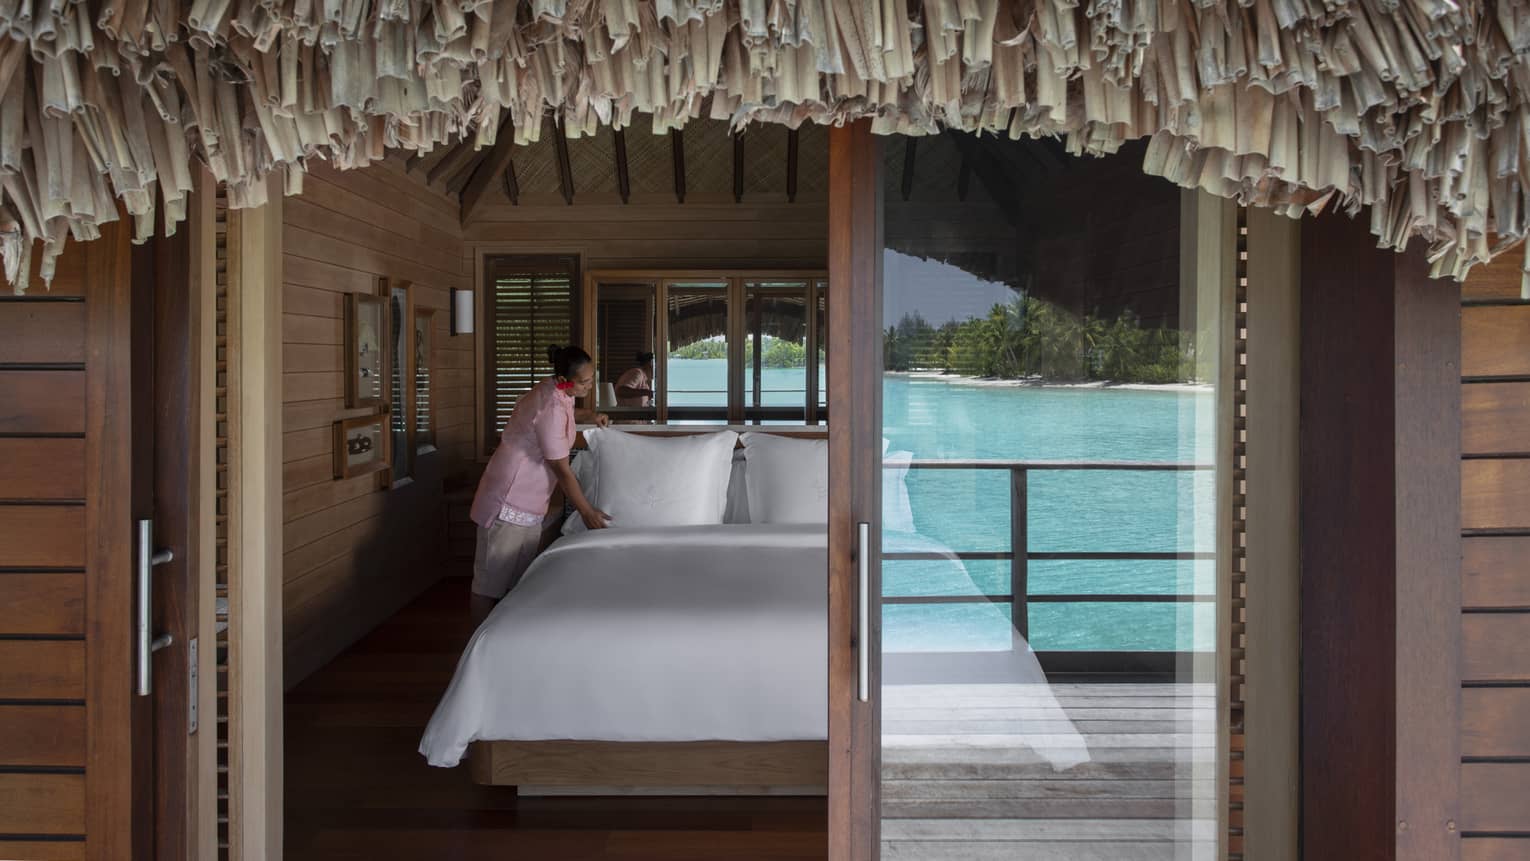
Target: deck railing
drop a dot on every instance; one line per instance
(1021, 555)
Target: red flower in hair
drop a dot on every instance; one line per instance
(565, 385)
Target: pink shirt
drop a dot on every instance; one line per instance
(540, 429)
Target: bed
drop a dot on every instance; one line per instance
(677, 658)
(664, 659)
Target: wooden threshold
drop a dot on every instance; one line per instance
(700, 767)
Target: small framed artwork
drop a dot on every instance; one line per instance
(424, 353)
(361, 445)
(366, 351)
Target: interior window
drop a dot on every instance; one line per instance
(528, 304)
(697, 354)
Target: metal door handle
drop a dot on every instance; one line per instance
(148, 644)
(863, 595)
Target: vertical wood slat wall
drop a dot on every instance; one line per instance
(1495, 567)
(1238, 561)
(48, 708)
(221, 395)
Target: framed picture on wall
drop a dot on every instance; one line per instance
(366, 351)
(361, 446)
(424, 388)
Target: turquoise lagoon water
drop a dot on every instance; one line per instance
(1068, 511)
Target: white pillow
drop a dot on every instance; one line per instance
(642, 480)
(787, 479)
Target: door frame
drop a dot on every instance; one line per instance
(854, 398)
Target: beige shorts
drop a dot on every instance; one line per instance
(505, 551)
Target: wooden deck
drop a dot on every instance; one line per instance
(963, 779)
(968, 772)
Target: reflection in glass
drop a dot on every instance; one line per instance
(775, 350)
(1048, 601)
(400, 320)
(424, 393)
(626, 333)
(697, 351)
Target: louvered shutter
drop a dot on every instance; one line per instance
(530, 306)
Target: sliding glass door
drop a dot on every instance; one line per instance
(1028, 549)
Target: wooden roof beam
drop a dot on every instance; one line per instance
(977, 159)
(791, 166)
(910, 147)
(452, 162)
(738, 167)
(512, 185)
(623, 181)
(489, 170)
(677, 149)
(460, 179)
(565, 171)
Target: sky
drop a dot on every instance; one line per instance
(937, 291)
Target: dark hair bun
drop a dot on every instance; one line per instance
(553, 352)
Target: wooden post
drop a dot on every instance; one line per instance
(855, 455)
(1380, 537)
(1271, 714)
(255, 526)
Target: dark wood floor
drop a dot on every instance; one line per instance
(357, 788)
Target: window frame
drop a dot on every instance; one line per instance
(737, 411)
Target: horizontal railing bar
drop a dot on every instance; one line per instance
(1052, 598)
(1043, 465)
(948, 599)
(1107, 555)
(1042, 556)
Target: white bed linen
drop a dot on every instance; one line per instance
(663, 634)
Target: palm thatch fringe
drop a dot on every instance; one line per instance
(1414, 108)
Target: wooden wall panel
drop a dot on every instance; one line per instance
(42, 670)
(42, 536)
(352, 552)
(1498, 280)
(1495, 418)
(1495, 722)
(1495, 493)
(1495, 572)
(1495, 564)
(42, 333)
(1495, 796)
(42, 402)
(42, 736)
(1495, 647)
(46, 468)
(1495, 340)
(54, 717)
(48, 603)
(43, 850)
(42, 803)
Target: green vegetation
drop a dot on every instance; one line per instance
(779, 353)
(1032, 338)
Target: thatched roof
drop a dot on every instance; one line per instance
(1415, 108)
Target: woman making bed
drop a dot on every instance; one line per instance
(517, 487)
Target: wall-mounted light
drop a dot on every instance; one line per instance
(462, 312)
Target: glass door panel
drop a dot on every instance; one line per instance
(698, 346)
(775, 351)
(1048, 570)
(626, 334)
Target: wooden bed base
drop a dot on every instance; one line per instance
(681, 768)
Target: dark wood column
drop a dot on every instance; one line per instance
(1380, 549)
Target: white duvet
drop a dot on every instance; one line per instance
(665, 634)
